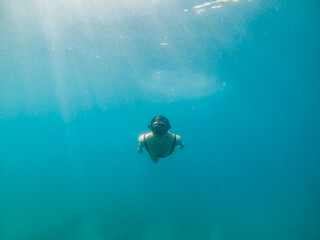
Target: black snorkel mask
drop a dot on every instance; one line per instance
(159, 125)
(159, 128)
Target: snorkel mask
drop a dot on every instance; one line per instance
(159, 125)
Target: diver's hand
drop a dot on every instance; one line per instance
(179, 142)
(141, 144)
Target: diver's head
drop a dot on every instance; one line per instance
(159, 125)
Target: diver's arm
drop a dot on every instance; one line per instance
(179, 142)
(141, 144)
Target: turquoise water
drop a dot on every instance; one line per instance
(238, 80)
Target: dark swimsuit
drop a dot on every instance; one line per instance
(160, 155)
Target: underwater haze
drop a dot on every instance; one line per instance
(239, 81)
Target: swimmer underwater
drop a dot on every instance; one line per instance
(159, 143)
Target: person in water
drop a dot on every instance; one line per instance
(159, 143)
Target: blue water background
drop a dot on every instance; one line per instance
(79, 81)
